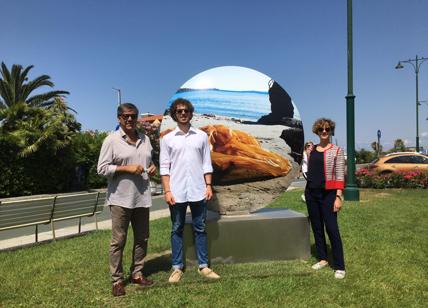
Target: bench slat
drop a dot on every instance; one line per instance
(21, 213)
(14, 214)
(74, 206)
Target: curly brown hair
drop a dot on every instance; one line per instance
(176, 103)
(323, 122)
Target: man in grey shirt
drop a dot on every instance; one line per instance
(126, 160)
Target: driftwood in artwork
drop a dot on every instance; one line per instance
(244, 198)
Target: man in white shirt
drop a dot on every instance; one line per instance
(186, 170)
(126, 160)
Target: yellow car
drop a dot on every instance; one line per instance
(401, 161)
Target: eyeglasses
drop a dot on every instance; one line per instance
(321, 129)
(179, 111)
(133, 116)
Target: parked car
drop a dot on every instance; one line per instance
(401, 161)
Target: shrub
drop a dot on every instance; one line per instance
(408, 179)
(86, 150)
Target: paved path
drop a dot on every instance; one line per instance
(25, 236)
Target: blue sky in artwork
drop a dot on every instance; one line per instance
(148, 49)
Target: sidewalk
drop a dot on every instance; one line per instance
(28, 240)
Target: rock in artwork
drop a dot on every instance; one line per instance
(255, 133)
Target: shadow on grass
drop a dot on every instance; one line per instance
(329, 254)
(161, 263)
(158, 263)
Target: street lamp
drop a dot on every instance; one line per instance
(416, 63)
(426, 103)
(119, 96)
(351, 191)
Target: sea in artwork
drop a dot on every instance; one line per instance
(248, 105)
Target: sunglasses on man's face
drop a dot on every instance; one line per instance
(180, 111)
(321, 129)
(133, 116)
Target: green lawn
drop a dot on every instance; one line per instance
(385, 240)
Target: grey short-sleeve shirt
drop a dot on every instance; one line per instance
(125, 189)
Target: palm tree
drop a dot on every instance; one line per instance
(15, 88)
(31, 128)
(399, 145)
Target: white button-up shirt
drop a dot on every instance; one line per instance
(126, 189)
(186, 158)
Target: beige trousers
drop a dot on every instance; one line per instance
(120, 219)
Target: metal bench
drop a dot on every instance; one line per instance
(16, 214)
(76, 206)
(24, 213)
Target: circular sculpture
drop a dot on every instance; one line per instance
(255, 133)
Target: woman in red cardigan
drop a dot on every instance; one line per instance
(324, 195)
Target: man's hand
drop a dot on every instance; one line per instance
(208, 192)
(169, 198)
(151, 170)
(135, 169)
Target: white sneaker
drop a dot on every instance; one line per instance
(339, 274)
(175, 276)
(319, 265)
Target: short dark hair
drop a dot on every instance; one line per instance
(128, 106)
(177, 102)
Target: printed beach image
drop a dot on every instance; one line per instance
(253, 126)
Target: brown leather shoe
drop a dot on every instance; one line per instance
(118, 289)
(142, 281)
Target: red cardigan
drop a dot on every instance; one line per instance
(334, 167)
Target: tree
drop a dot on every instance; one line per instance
(363, 156)
(15, 88)
(36, 149)
(399, 145)
(30, 128)
(376, 147)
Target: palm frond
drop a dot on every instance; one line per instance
(6, 93)
(38, 100)
(34, 84)
(5, 72)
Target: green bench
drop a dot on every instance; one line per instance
(34, 212)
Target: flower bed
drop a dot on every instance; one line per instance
(409, 179)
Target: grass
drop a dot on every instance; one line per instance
(385, 241)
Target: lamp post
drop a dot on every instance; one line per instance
(119, 96)
(426, 103)
(416, 63)
(351, 191)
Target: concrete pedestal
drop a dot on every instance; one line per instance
(266, 235)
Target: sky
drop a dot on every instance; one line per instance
(148, 49)
(234, 78)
